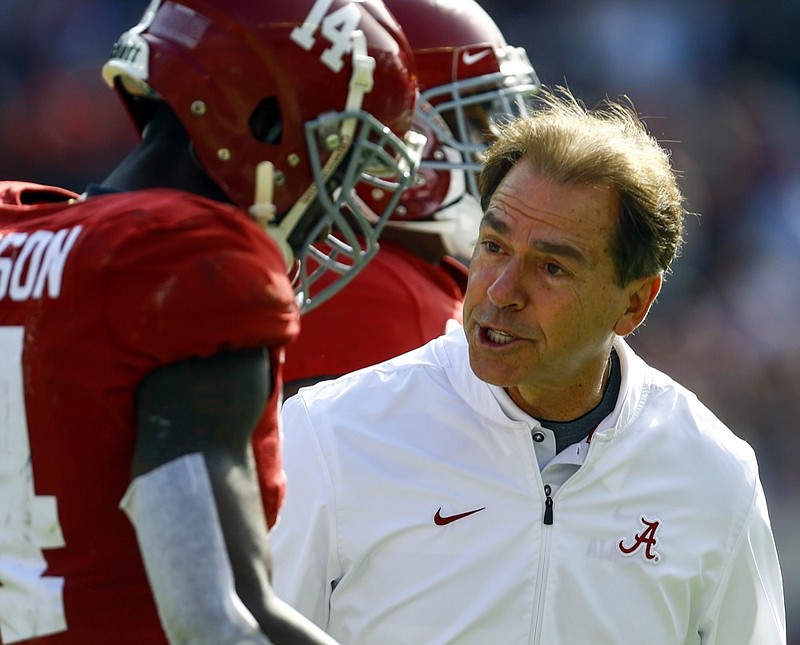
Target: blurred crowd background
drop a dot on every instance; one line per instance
(719, 83)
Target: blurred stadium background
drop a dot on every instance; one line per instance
(719, 81)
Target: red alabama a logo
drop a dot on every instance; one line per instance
(645, 539)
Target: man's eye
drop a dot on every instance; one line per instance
(553, 269)
(491, 247)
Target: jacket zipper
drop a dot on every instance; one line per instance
(544, 558)
(544, 567)
(548, 505)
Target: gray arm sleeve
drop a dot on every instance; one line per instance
(173, 511)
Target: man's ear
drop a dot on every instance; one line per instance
(641, 294)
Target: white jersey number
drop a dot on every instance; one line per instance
(337, 27)
(30, 604)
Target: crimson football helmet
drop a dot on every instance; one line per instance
(289, 106)
(469, 79)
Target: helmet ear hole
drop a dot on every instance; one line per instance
(265, 121)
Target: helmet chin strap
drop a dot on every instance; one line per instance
(361, 83)
(263, 210)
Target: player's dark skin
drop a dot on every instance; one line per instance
(210, 405)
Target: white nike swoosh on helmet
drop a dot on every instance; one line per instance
(471, 59)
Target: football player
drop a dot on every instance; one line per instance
(142, 323)
(469, 78)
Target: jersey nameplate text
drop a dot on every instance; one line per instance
(31, 263)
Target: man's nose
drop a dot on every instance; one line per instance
(506, 289)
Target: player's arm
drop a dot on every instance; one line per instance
(195, 504)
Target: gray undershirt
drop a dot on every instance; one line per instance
(569, 432)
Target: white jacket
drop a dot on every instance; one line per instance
(660, 537)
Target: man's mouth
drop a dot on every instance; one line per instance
(498, 337)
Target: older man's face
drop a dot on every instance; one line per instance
(543, 300)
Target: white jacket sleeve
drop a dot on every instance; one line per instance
(748, 608)
(303, 540)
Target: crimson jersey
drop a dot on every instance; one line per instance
(94, 295)
(396, 303)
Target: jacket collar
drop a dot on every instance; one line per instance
(453, 353)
